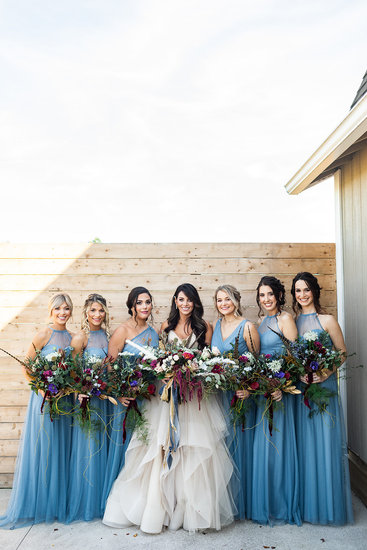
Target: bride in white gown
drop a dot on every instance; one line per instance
(194, 493)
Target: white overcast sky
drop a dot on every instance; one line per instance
(165, 120)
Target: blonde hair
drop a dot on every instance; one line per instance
(95, 298)
(234, 295)
(58, 300)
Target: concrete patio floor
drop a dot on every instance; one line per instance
(239, 536)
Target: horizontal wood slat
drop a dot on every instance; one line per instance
(31, 274)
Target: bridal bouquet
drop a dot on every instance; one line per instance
(50, 374)
(128, 378)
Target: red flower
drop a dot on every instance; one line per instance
(254, 385)
(151, 389)
(217, 369)
(188, 355)
(287, 375)
(103, 386)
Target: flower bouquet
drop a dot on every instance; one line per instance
(311, 354)
(51, 375)
(89, 379)
(128, 378)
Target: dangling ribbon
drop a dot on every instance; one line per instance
(47, 394)
(132, 405)
(169, 393)
(271, 413)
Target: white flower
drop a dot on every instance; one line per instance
(250, 357)
(94, 360)
(175, 358)
(127, 354)
(310, 336)
(215, 350)
(206, 354)
(274, 366)
(53, 356)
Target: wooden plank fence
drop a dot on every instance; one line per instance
(31, 273)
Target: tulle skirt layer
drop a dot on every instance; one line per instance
(325, 495)
(88, 466)
(42, 470)
(275, 477)
(195, 492)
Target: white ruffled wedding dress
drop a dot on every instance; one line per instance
(195, 492)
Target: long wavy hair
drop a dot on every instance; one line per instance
(276, 286)
(133, 298)
(313, 284)
(95, 298)
(195, 321)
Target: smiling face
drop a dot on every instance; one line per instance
(143, 306)
(184, 304)
(267, 300)
(95, 316)
(61, 314)
(224, 303)
(303, 294)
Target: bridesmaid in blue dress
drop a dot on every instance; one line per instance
(136, 329)
(228, 327)
(89, 453)
(325, 495)
(275, 481)
(41, 476)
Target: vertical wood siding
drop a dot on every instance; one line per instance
(354, 224)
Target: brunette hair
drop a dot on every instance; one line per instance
(95, 298)
(276, 286)
(312, 284)
(234, 295)
(196, 321)
(133, 298)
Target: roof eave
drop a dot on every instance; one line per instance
(344, 136)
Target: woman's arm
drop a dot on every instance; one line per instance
(117, 341)
(288, 326)
(78, 343)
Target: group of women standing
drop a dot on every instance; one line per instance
(219, 472)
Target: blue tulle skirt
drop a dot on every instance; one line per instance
(240, 446)
(88, 465)
(325, 495)
(275, 477)
(116, 448)
(41, 476)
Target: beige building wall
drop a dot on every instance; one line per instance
(354, 246)
(31, 274)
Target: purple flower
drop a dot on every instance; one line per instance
(52, 389)
(314, 365)
(243, 359)
(279, 374)
(133, 383)
(267, 356)
(47, 373)
(96, 392)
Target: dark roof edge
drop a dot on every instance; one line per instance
(361, 91)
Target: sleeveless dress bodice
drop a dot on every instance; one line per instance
(97, 345)
(310, 322)
(271, 343)
(228, 343)
(59, 339)
(147, 338)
